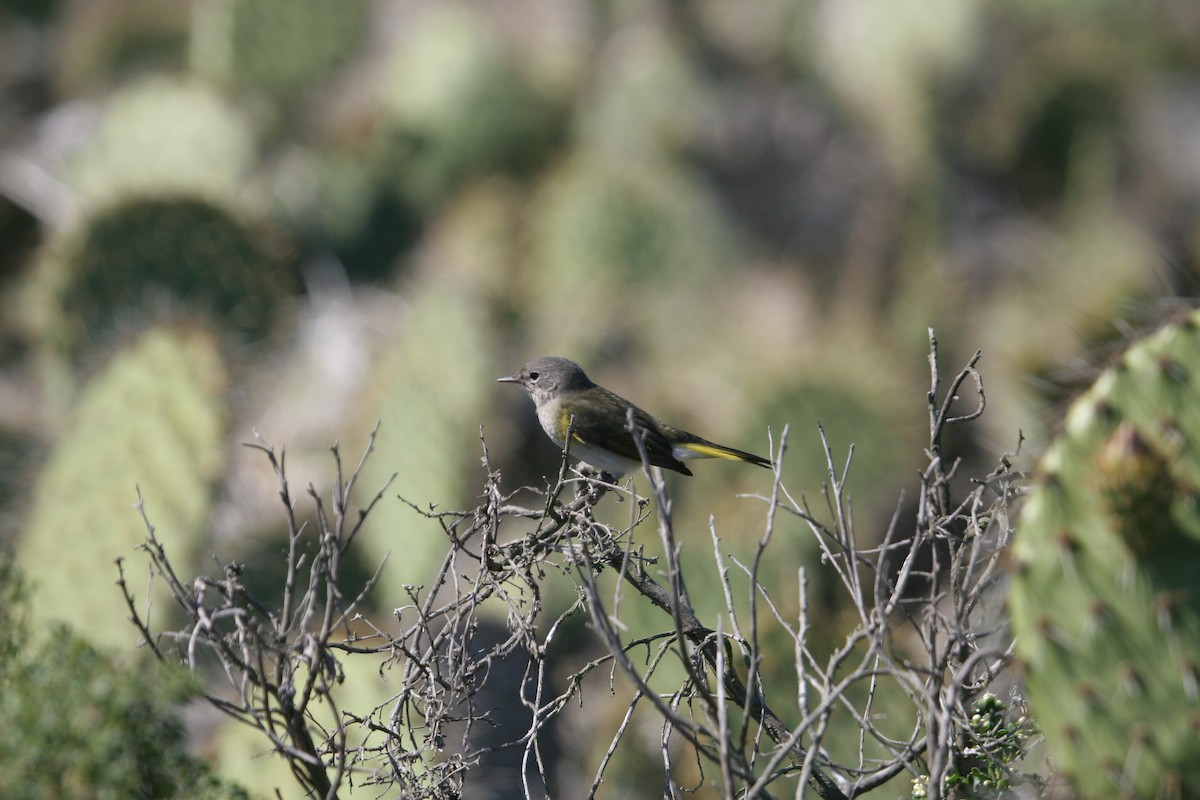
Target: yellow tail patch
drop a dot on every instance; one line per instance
(712, 451)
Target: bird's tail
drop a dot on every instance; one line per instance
(702, 448)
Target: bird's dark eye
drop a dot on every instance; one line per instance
(533, 376)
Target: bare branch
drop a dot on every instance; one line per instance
(912, 655)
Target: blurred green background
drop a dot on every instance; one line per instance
(302, 217)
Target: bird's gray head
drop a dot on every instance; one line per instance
(549, 377)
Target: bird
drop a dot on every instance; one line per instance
(567, 400)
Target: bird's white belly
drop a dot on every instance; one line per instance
(597, 457)
(602, 459)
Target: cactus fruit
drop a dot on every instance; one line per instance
(1105, 596)
(153, 417)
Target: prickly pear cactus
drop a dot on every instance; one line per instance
(429, 388)
(146, 254)
(1105, 598)
(455, 106)
(153, 417)
(602, 231)
(280, 45)
(165, 136)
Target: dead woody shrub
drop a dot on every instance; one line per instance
(925, 635)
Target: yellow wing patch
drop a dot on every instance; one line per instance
(564, 424)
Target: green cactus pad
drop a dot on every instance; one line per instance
(427, 393)
(147, 254)
(153, 418)
(279, 45)
(601, 231)
(165, 136)
(455, 107)
(1105, 596)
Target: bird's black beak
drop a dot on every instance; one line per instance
(508, 379)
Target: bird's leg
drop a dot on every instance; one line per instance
(597, 487)
(596, 483)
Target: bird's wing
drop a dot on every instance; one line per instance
(595, 427)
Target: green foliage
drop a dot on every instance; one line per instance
(78, 723)
(153, 418)
(279, 45)
(1104, 599)
(14, 624)
(999, 741)
(996, 743)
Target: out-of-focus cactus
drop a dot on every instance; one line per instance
(884, 60)
(429, 384)
(98, 43)
(850, 417)
(757, 33)
(38, 10)
(855, 395)
(455, 106)
(594, 219)
(476, 241)
(164, 135)
(1025, 327)
(1105, 598)
(160, 222)
(330, 190)
(624, 114)
(342, 195)
(599, 235)
(134, 259)
(279, 45)
(154, 418)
